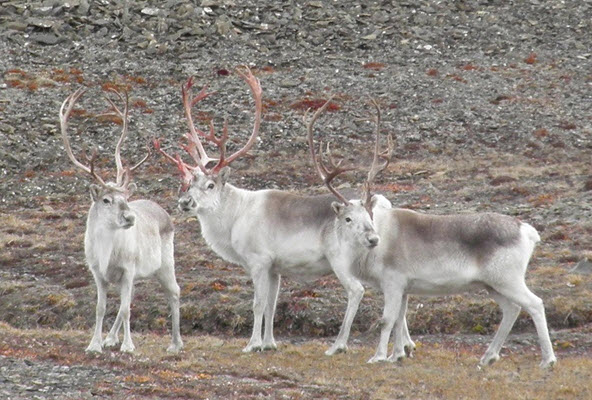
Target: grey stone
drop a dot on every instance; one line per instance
(153, 11)
(584, 266)
(45, 38)
(16, 25)
(41, 23)
(290, 83)
(223, 25)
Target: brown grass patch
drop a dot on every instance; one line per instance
(531, 59)
(314, 104)
(374, 66)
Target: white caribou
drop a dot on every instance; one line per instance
(420, 254)
(124, 241)
(270, 232)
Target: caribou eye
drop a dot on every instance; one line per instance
(210, 186)
(347, 219)
(106, 201)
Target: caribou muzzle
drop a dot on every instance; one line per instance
(372, 240)
(128, 219)
(186, 203)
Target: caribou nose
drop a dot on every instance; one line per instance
(185, 203)
(373, 241)
(129, 219)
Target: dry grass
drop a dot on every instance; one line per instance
(208, 363)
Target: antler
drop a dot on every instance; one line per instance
(123, 175)
(375, 169)
(256, 90)
(327, 175)
(65, 112)
(184, 169)
(194, 146)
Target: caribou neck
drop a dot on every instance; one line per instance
(217, 223)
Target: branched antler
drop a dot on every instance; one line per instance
(194, 146)
(375, 168)
(123, 174)
(326, 174)
(65, 112)
(184, 169)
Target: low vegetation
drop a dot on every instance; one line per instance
(214, 367)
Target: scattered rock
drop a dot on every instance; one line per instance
(584, 266)
(29, 379)
(45, 38)
(152, 11)
(223, 25)
(290, 83)
(16, 25)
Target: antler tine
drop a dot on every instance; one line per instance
(257, 92)
(123, 174)
(386, 155)
(143, 160)
(375, 168)
(183, 168)
(335, 170)
(124, 122)
(309, 137)
(65, 112)
(200, 157)
(326, 175)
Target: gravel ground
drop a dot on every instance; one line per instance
(26, 379)
(489, 102)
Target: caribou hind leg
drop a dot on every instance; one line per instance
(518, 293)
(510, 312)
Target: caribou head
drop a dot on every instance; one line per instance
(353, 217)
(110, 199)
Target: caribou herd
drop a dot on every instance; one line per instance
(272, 233)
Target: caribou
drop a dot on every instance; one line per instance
(434, 255)
(124, 240)
(271, 233)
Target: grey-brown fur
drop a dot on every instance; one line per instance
(479, 235)
(155, 213)
(292, 211)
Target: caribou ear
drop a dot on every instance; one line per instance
(131, 188)
(373, 201)
(95, 192)
(337, 207)
(223, 175)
